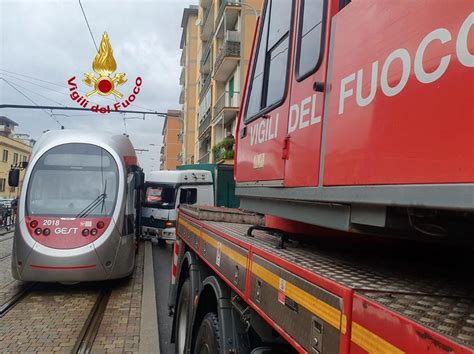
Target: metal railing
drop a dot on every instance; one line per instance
(206, 54)
(224, 4)
(226, 101)
(204, 86)
(205, 158)
(182, 60)
(206, 16)
(205, 122)
(228, 49)
(182, 76)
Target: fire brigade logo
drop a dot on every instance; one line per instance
(106, 83)
(104, 65)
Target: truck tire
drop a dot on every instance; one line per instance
(208, 339)
(182, 317)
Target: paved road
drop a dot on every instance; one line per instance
(162, 269)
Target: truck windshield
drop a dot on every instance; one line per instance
(70, 179)
(160, 196)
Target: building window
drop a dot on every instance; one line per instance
(2, 184)
(15, 158)
(270, 72)
(231, 87)
(24, 158)
(5, 155)
(310, 37)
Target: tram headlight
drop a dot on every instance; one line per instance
(38, 231)
(100, 225)
(33, 224)
(85, 232)
(46, 232)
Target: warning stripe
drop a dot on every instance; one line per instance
(229, 252)
(371, 342)
(320, 308)
(361, 336)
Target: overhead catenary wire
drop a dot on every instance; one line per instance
(56, 84)
(29, 99)
(50, 89)
(59, 108)
(32, 77)
(38, 94)
(88, 26)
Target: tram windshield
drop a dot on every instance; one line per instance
(73, 180)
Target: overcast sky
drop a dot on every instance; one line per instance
(50, 41)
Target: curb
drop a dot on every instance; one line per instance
(149, 337)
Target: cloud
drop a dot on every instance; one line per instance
(49, 40)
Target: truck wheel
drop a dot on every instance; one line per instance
(182, 316)
(207, 340)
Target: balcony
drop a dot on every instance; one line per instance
(205, 158)
(206, 59)
(227, 102)
(204, 86)
(228, 57)
(182, 60)
(181, 96)
(225, 4)
(205, 123)
(207, 23)
(182, 78)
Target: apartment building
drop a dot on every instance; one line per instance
(225, 30)
(13, 150)
(187, 80)
(171, 151)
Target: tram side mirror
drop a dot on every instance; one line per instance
(14, 177)
(139, 179)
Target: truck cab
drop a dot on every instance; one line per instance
(164, 192)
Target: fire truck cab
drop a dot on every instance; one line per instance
(358, 116)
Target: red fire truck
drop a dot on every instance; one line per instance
(355, 142)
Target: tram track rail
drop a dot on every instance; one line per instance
(91, 326)
(5, 238)
(5, 257)
(16, 299)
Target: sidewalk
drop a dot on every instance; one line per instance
(130, 322)
(149, 337)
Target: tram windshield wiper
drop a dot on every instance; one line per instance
(94, 204)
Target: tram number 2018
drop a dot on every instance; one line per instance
(50, 222)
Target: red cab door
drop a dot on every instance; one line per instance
(264, 112)
(308, 84)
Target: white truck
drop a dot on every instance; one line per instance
(164, 191)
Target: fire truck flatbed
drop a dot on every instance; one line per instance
(330, 296)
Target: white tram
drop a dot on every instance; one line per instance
(78, 213)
